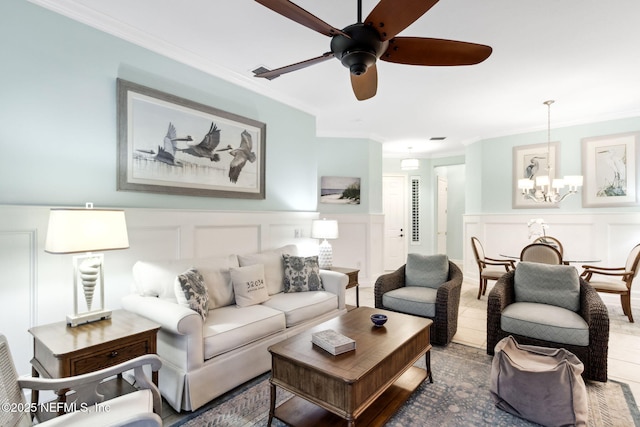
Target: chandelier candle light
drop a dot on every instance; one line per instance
(546, 188)
(324, 229)
(87, 230)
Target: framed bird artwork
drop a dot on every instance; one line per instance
(530, 162)
(171, 145)
(609, 164)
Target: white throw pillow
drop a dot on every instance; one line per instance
(191, 292)
(249, 285)
(273, 268)
(215, 272)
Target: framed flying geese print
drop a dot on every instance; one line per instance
(171, 145)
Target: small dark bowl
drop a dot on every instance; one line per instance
(378, 319)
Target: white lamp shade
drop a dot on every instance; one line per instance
(409, 164)
(525, 184)
(542, 180)
(86, 230)
(324, 229)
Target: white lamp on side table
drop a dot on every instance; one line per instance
(324, 229)
(87, 230)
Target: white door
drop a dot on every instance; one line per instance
(393, 202)
(442, 215)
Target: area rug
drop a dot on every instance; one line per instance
(458, 397)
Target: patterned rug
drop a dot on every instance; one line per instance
(458, 397)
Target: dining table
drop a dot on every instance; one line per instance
(576, 260)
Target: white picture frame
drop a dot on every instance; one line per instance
(610, 167)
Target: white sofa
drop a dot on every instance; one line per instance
(204, 359)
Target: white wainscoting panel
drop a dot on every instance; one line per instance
(37, 286)
(606, 238)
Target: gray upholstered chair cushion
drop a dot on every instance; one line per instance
(417, 300)
(426, 270)
(557, 285)
(545, 322)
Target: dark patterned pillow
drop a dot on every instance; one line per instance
(301, 274)
(191, 292)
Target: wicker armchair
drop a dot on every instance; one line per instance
(592, 310)
(445, 322)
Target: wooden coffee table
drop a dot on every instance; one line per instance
(342, 389)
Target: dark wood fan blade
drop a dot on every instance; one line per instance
(272, 74)
(390, 17)
(301, 16)
(427, 51)
(365, 85)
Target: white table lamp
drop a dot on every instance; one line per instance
(87, 230)
(324, 229)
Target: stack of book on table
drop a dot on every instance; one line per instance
(333, 342)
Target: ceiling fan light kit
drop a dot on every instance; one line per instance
(360, 45)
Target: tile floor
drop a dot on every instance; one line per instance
(624, 337)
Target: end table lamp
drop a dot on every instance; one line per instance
(87, 230)
(324, 229)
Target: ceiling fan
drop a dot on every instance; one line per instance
(360, 45)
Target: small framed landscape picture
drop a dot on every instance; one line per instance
(610, 170)
(340, 190)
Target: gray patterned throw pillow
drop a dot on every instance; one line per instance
(191, 292)
(301, 274)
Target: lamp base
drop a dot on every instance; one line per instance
(74, 320)
(325, 255)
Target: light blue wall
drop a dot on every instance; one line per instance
(58, 133)
(456, 181)
(490, 172)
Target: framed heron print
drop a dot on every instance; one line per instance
(171, 145)
(611, 170)
(531, 162)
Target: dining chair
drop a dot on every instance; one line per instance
(489, 268)
(542, 253)
(551, 241)
(620, 282)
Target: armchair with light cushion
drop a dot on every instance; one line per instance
(140, 408)
(551, 306)
(426, 286)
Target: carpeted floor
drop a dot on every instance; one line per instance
(458, 397)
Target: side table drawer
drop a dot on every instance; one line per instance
(110, 357)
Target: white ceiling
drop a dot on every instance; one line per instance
(584, 54)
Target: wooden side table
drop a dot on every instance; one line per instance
(352, 273)
(61, 351)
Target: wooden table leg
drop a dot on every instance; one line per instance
(272, 404)
(427, 358)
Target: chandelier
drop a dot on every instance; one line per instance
(544, 188)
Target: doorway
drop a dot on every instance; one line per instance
(394, 204)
